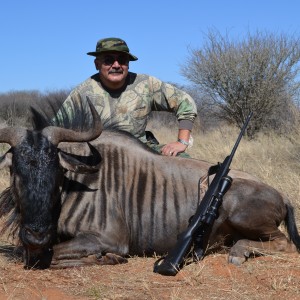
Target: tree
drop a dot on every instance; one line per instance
(257, 73)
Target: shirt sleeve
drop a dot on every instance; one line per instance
(167, 97)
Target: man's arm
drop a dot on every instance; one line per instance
(167, 97)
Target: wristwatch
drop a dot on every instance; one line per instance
(183, 142)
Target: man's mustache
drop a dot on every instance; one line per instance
(113, 71)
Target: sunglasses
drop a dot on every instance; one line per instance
(109, 60)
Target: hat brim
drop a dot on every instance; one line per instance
(97, 53)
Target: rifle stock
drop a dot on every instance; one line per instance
(201, 223)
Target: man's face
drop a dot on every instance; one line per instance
(113, 68)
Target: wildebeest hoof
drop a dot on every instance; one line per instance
(111, 259)
(236, 260)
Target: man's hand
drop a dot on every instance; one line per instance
(172, 149)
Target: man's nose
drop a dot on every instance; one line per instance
(116, 64)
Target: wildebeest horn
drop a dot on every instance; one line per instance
(11, 135)
(58, 134)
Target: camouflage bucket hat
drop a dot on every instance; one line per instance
(112, 44)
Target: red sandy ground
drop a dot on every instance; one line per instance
(269, 277)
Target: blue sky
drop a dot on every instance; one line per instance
(44, 43)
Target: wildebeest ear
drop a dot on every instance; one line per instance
(72, 163)
(5, 160)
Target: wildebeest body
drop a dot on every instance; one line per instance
(134, 202)
(140, 201)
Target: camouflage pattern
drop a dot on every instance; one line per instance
(112, 44)
(129, 108)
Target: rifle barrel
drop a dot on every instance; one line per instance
(241, 134)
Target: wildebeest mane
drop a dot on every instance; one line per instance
(71, 117)
(77, 118)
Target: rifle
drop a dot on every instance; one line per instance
(201, 223)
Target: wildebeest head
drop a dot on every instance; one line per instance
(36, 169)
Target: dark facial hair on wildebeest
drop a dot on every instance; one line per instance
(132, 201)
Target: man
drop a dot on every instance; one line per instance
(124, 99)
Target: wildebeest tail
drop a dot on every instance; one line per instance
(290, 224)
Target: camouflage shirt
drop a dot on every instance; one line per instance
(128, 108)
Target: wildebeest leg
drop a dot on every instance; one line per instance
(107, 259)
(243, 249)
(84, 249)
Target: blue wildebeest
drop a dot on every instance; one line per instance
(129, 201)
